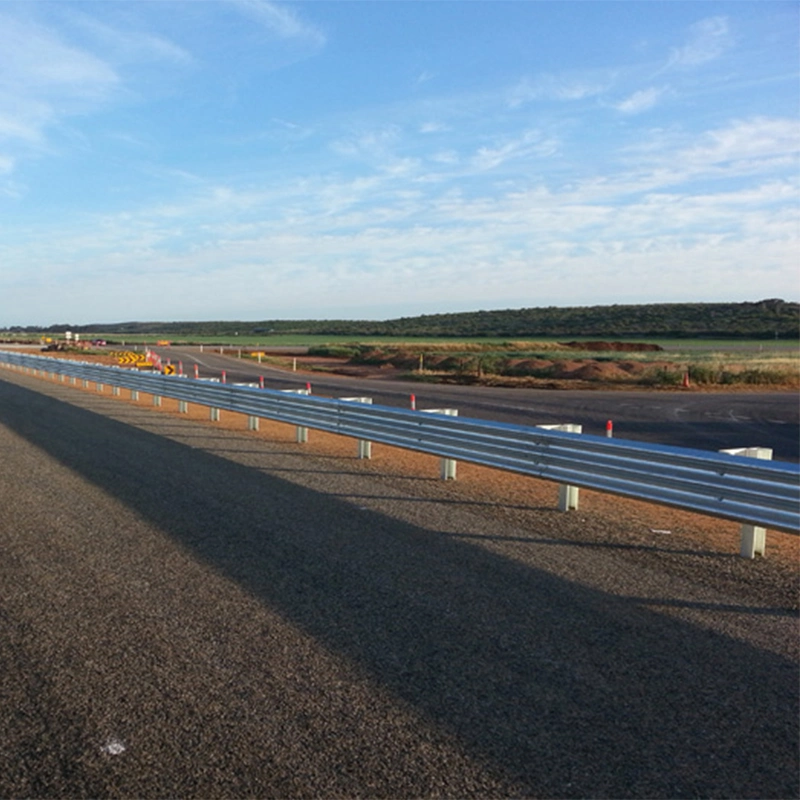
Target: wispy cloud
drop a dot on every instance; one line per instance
(564, 87)
(433, 127)
(743, 147)
(42, 80)
(128, 44)
(35, 60)
(708, 39)
(530, 143)
(281, 20)
(642, 100)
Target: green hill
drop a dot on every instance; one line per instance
(765, 319)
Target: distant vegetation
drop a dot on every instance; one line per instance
(582, 364)
(766, 319)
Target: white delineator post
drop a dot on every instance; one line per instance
(568, 496)
(753, 540)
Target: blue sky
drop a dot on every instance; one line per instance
(261, 160)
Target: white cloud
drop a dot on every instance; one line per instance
(281, 20)
(531, 143)
(34, 60)
(128, 44)
(640, 101)
(746, 141)
(563, 87)
(433, 127)
(42, 81)
(371, 144)
(708, 39)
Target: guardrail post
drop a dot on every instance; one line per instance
(100, 387)
(252, 423)
(301, 432)
(134, 394)
(568, 496)
(753, 539)
(115, 391)
(364, 446)
(447, 466)
(157, 400)
(183, 407)
(214, 414)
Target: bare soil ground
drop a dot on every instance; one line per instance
(584, 374)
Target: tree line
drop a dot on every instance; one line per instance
(764, 319)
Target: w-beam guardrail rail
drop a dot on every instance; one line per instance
(747, 490)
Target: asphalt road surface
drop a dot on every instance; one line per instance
(705, 420)
(188, 611)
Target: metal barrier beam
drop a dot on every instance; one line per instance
(750, 491)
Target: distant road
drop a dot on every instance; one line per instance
(705, 420)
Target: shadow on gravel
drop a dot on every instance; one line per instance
(565, 690)
(639, 547)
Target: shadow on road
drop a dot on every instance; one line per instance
(565, 690)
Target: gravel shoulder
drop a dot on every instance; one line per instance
(190, 609)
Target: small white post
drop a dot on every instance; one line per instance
(157, 400)
(753, 538)
(301, 433)
(364, 446)
(568, 496)
(252, 423)
(447, 466)
(115, 391)
(183, 407)
(135, 394)
(214, 414)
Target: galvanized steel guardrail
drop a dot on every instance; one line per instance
(753, 492)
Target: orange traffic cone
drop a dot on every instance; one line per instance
(686, 380)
